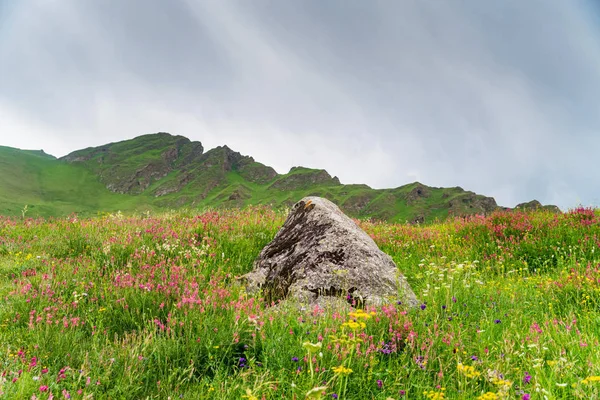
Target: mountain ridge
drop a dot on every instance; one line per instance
(160, 170)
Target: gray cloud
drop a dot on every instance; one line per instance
(498, 97)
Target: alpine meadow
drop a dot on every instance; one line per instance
(149, 306)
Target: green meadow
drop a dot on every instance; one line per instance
(148, 306)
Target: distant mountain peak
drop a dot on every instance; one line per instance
(303, 178)
(131, 166)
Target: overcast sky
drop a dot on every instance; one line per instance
(498, 97)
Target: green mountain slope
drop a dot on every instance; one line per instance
(49, 187)
(159, 171)
(133, 165)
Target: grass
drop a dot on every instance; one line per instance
(148, 306)
(49, 187)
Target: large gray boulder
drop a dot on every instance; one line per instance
(319, 253)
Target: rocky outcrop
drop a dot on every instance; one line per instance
(470, 203)
(256, 172)
(304, 178)
(319, 253)
(357, 203)
(530, 205)
(534, 205)
(131, 166)
(552, 208)
(417, 219)
(419, 192)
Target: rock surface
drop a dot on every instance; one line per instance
(419, 192)
(470, 203)
(320, 252)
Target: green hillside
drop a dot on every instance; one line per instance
(49, 187)
(162, 171)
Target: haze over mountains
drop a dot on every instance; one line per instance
(163, 171)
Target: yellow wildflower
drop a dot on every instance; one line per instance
(354, 325)
(358, 314)
(249, 395)
(468, 371)
(433, 395)
(502, 382)
(341, 370)
(590, 379)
